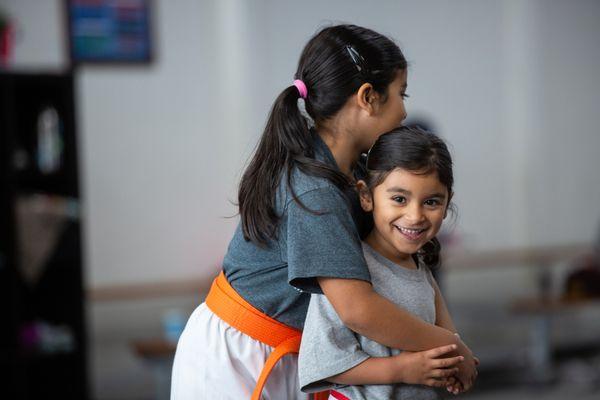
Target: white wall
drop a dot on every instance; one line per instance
(565, 179)
(39, 30)
(159, 166)
(512, 85)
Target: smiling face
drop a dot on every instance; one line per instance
(408, 210)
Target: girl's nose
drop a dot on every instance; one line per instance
(414, 214)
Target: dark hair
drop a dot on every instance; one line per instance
(416, 150)
(333, 65)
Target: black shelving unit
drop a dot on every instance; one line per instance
(43, 347)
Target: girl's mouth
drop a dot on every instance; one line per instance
(411, 234)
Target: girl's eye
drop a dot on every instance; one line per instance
(399, 199)
(432, 202)
(405, 95)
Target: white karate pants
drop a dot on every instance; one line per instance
(214, 361)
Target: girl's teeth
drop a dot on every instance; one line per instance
(412, 234)
(411, 231)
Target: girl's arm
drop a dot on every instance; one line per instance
(369, 314)
(421, 368)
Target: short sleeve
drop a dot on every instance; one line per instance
(328, 348)
(325, 243)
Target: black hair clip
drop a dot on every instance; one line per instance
(357, 59)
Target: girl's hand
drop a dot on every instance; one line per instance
(457, 387)
(427, 368)
(467, 371)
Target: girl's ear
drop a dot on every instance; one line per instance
(366, 199)
(367, 97)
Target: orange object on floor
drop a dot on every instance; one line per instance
(228, 305)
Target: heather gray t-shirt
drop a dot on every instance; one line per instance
(329, 348)
(278, 279)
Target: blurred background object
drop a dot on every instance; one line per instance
(44, 345)
(111, 232)
(6, 39)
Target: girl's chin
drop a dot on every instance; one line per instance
(409, 246)
(407, 250)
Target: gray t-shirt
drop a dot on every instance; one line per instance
(276, 278)
(329, 348)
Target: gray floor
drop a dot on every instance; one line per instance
(575, 374)
(554, 393)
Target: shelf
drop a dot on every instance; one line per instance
(40, 239)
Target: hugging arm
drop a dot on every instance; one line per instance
(368, 313)
(420, 368)
(330, 353)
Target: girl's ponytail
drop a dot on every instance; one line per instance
(286, 135)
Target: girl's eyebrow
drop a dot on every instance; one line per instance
(396, 189)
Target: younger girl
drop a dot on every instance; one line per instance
(298, 230)
(408, 188)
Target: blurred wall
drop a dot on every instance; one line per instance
(512, 85)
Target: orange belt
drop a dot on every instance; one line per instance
(228, 305)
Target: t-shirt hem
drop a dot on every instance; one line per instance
(318, 382)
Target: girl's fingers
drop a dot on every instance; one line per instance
(440, 351)
(454, 389)
(446, 362)
(443, 373)
(466, 386)
(437, 382)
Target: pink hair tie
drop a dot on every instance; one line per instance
(301, 88)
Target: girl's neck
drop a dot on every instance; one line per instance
(345, 152)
